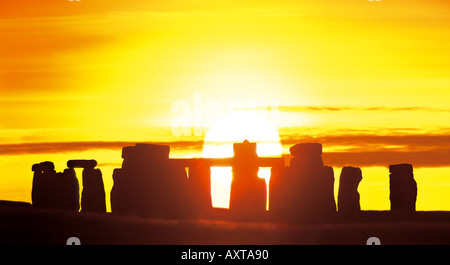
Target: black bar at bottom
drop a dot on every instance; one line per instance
(233, 254)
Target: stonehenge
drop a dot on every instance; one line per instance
(151, 184)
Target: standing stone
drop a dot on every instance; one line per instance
(82, 163)
(93, 193)
(200, 189)
(281, 192)
(306, 156)
(348, 195)
(403, 188)
(248, 191)
(43, 181)
(68, 190)
(305, 189)
(120, 204)
(54, 190)
(149, 185)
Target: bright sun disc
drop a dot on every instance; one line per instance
(237, 127)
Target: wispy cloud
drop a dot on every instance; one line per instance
(380, 150)
(353, 108)
(414, 141)
(65, 147)
(429, 158)
(356, 150)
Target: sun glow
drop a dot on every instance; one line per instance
(236, 127)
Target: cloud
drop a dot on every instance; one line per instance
(421, 150)
(414, 141)
(57, 8)
(65, 147)
(384, 158)
(356, 150)
(429, 158)
(45, 54)
(352, 108)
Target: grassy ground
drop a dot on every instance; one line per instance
(22, 224)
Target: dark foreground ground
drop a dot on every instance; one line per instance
(22, 224)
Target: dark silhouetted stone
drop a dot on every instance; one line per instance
(43, 166)
(200, 189)
(326, 197)
(82, 163)
(306, 156)
(348, 196)
(93, 193)
(151, 152)
(43, 183)
(282, 192)
(403, 188)
(313, 150)
(54, 190)
(120, 203)
(67, 191)
(149, 185)
(248, 191)
(304, 190)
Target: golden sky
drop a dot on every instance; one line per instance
(370, 80)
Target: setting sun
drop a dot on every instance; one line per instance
(237, 127)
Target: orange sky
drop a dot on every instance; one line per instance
(370, 80)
